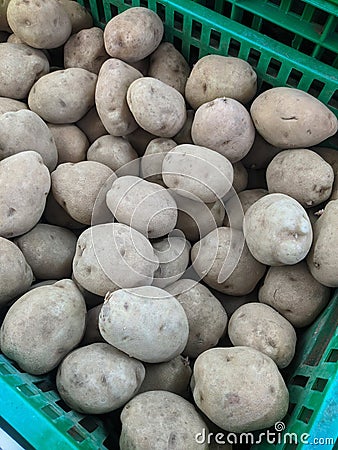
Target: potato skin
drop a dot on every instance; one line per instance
(239, 388)
(294, 293)
(56, 98)
(43, 326)
(91, 125)
(11, 105)
(277, 230)
(163, 417)
(71, 143)
(56, 215)
(79, 16)
(133, 34)
(20, 67)
(330, 155)
(156, 107)
(246, 199)
(45, 26)
(15, 274)
(152, 160)
(92, 333)
(260, 154)
(98, 378)
(298, 121)
(322, 259)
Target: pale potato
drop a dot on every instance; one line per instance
(152, 160)
(240, 177)
(56, 215)
(11, 105)
(13, 39)
(184, 135)
(234, 214)
(330, 155)
(71, 143)
(79, 16)
(91, 125)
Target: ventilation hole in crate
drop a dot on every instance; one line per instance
(294, 78)
(50, 411)
(75, 434)
(26, 390)
(160, 9)
(305, 414)
(265, 86)
(88, 423)
(276, 32)
(177, 43)
(196, 30)
(4, 370)
(194, 54)
(319, 384)
(307, 47)
(100, 11)
(274, 67)
(86, 4)
(291, 408)
(333, 355)
(254, 57)
(144, 3)
(215, 39)
(297, 7)
(178, 21)
(128, 2)
(234, 47)
(300, 380)
(44, 385)
(328, 57)
(63, 405)
(247, 20)
(114, 11)
(275, 2)
(334, 103)
(316, 88)
(226, 9)
(320, 17)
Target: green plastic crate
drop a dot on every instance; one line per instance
(31, 405)
(310, 26)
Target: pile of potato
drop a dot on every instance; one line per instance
(163, 229)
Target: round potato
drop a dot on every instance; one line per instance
(20, 67)
(224, 262)
(15, 274)
(133, 35)
(56, 215)
(24, 185)
(43, 326)
(299, 120)
(13, 39)
(71, 143)
(224, 125)
(79, 16)
(116, 153)
(113, 255)
(152, 160)
(11, 105)
(277, 230)
(91, 125)
(98, 378)
(146, 207)
(260, 154)
(41, 25)
(56, 97)
(294, 293)
(240, 177)
(145, 322)
(166, 420)
(235, 215)
(184, 135)
(156, 107)
(206, 316)
(239, 388)
(197, 173)
(215, 76)
(330, 155)
(301, 174)
(168, 65)
(92, 333)
(323, 258)
(49, 250)
(261, 327)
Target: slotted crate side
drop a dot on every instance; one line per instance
(310, 26)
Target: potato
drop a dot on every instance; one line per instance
(184, 135)
(290, 118)
(240, 389)
(152, 160)
(43, 326)
(197, 173)
(195, 218)
(206, 317)
(91, 125)
(116, 153)
(215, 76)
(330, 155)
(301, 174)
(56, 97)
(15, 274)
(24, 185)
(91, 299)
(114, 79)
(172, 376)
(260, 154)
(49, 250)
(79, 16)
(40, 25)
(240, 177)
(3, 16)
(166, 420)
(92, 333)
(85, 49)
(156, 107)
(173, 255)
(76, 187)
(224, 125)
(18, 133)
(140, 139)
(168, 65)
(235, 214)
(231, 304)
(98, 378)
(294, 293)
(146, 207)
(20, 67)
(133, 35)
(142, 65)
(277, 230)
(145, 322)
(224, 262)
(113, 255)
(261, 327)
(13, 39)
(11, 105)
(71, 143)
(323, 258)
(56, 215)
